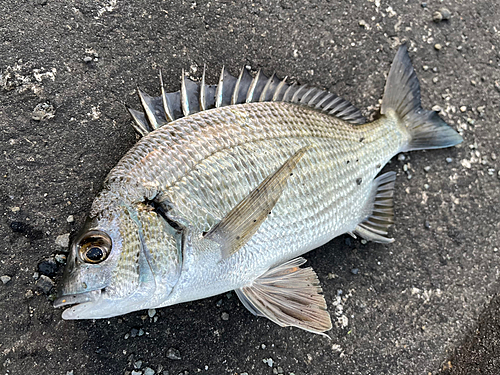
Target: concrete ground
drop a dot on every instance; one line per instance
(426, 304)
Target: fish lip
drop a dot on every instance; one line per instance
(78, 298)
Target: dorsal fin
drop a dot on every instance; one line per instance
(194, 97)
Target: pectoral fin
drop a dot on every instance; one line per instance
(289, 296)
(241, 223)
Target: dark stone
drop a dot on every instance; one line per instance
(45, 284)
(48, 267)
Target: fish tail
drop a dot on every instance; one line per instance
(402, 96)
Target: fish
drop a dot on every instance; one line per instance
(232, 183)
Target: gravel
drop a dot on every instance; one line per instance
(45, 284)
(63, 240)
(173, 353)
(5, 279)
(48, 267)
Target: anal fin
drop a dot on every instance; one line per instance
(289, 296)
(381, 207)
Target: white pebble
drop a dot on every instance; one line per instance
(63, 240)
(151, 312)
(70, 219)
(5, 279)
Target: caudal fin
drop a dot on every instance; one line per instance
(402, 95)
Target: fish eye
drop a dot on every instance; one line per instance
(94, 247)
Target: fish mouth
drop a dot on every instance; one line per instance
(78, 298)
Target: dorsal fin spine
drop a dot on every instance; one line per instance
(278, 89)
(295, 97)
(219, 91)
(168, 113)
(234, 97)
(252, 87)
(184, 95)
(266, 88)
(203, 91)
(320, 103)
(288, 92)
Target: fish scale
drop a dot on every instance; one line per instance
(231, 184)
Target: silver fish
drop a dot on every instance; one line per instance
(231, 184)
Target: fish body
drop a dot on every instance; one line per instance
(227, 198)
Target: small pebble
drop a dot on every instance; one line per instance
(438, 46)
(449, 160)
(427, 168)
(401, 157)
(173, 353)
(263, 346)
(5, 279)
(69, 372)
(136, 372)
(225, 316)
(87, 59)
(70, 219)
(134, 332)
(269, 361)
(435, 79)
(138, 364)
(424, 5)
(29, 293)
(426, 186)
(48, 267)
(445, 13)
(63, 240)
(151, 312)
(140, 333)
(60, 258)
(43, 111)
(149, 371)
(280, 370)
(463, 108)
(437, 16)
(355, 271)
(427, 225)
(45, 284)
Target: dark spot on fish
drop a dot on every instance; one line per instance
(348, 161)
(378, 165)
(359, 181)
(158, 208)
(254, 220)
(204, 234)
(362, 139)
(357, 160)
(238, 237)
(291, 174)
(269, 212)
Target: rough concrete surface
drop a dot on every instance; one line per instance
(423, 304)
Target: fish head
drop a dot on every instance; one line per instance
(126, 260)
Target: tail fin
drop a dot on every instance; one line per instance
(402, 95)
